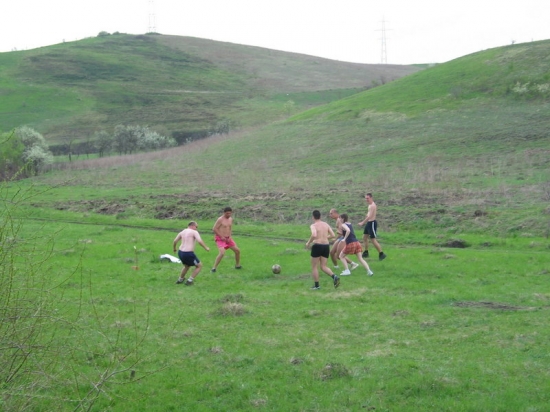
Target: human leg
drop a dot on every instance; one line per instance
(365, 245)
(344, 261)
(334, 251)
(341, 247)
(323, 261)
(315, 268)
(335, 279)
(221, 253)
(196, 271)
(237, 252)
(364, 263)
(182, 274)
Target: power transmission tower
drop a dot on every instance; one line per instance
(384, 56)
(152, 19)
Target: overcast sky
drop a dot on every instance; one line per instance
(416, 31)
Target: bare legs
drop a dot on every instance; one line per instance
(221, 253)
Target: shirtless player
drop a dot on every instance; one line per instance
(321, 233)
(370, 228)
(186, 252)
(224, 241)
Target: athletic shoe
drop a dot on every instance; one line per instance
(180, 281)
(365, 254)
(189, 282)
(238, 267)
(345, 273)
(381, 256)
(336, 281)
(354, 265)
(336, 267)
(370, 272)
(315, 287)
(213, 271)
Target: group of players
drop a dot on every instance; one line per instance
(345, 244)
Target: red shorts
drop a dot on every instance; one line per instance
(225, 243)
(352, 248)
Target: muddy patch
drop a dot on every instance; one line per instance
(489, 305)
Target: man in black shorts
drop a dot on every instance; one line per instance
(370, 229)
(321, 233)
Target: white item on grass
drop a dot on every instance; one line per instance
(171, 258)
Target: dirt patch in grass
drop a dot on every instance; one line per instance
(453, 243)
(334, 370)
(490, 305)
(268, 207)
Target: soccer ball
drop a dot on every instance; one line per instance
(276, 269)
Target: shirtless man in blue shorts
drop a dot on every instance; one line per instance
(370, 229)
(186, 252)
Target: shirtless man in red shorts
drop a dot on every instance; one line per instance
(224, 241)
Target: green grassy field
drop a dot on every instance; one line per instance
(436, 328)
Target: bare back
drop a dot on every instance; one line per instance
(188, 239)
(321, 232)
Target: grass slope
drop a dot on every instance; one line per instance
(172, 83)
(479, 164)
(488, 74)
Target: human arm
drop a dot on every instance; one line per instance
(176, 240)
(312, 237)
(331, 234)
(201, 242)
(345, 231)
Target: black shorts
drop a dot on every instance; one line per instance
(188, 258)
(320, 251)
(370, 229)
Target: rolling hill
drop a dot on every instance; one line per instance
(460, 147)
(176, 85)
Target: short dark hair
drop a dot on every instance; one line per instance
(192, 223)
(316, 214)
(344, 217)
(369, 194)
(227, 209)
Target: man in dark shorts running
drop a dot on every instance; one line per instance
(321, 233)
(186, 252)
(370, 229)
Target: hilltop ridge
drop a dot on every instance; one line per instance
(174, 84)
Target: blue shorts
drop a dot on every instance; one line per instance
(188, 258)
(370, 229)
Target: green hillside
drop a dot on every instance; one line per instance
(171, 83)
(519, 71)
(476, 161)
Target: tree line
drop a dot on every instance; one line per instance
(25, 152)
